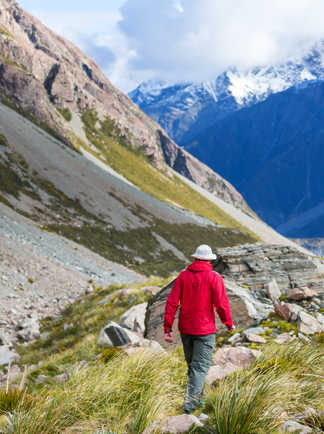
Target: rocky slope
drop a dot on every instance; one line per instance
(45, 75)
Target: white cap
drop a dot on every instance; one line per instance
(204, 252)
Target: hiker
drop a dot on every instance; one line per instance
(199, 291)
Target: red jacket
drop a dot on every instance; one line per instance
(199, 290)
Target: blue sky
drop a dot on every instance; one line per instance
(180, 40)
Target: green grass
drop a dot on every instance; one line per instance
(285, 378)
(109, 243)
(135, 166)
(66, 113)
(84, 319)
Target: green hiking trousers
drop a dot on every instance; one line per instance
(198, 350)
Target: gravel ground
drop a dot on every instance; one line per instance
(41, 272)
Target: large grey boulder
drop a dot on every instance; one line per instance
(7, 356)
(134, 318)
(113, 335)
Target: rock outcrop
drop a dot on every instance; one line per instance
(254, 266)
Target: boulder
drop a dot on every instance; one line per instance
(7, 356)
(228, 360)
(151, 346)
(307, 324)
(273, 291)
(294, 311)
(42, 379)
(113, 335)
(282, 310)
(295, 427)
(255, 338)
(180, 424)
(254, 330)
(284, 338)
(239, 356)
(134, 318)
(61, 378)
(217, 372)
(288, 311)
(300, 293)
(235, 338)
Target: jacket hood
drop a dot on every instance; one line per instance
(200, 266)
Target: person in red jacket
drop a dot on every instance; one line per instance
(199, 291)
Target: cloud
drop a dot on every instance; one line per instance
(177, 40)
(196, 40)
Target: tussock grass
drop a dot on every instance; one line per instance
(14, 399)
(124, 395)
(285, 379)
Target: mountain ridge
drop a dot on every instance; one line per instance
(47, 77)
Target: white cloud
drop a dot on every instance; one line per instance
(197, 39)
(179, 40)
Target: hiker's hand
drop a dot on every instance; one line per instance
(168, 337)
(231, 327)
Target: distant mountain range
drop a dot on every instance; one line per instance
(260, 129)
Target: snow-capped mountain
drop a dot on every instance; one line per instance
(261, 129)
(185, 109)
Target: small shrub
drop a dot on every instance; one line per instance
(31, 280)
(283, 297)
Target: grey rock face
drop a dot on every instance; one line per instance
(134, 318)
